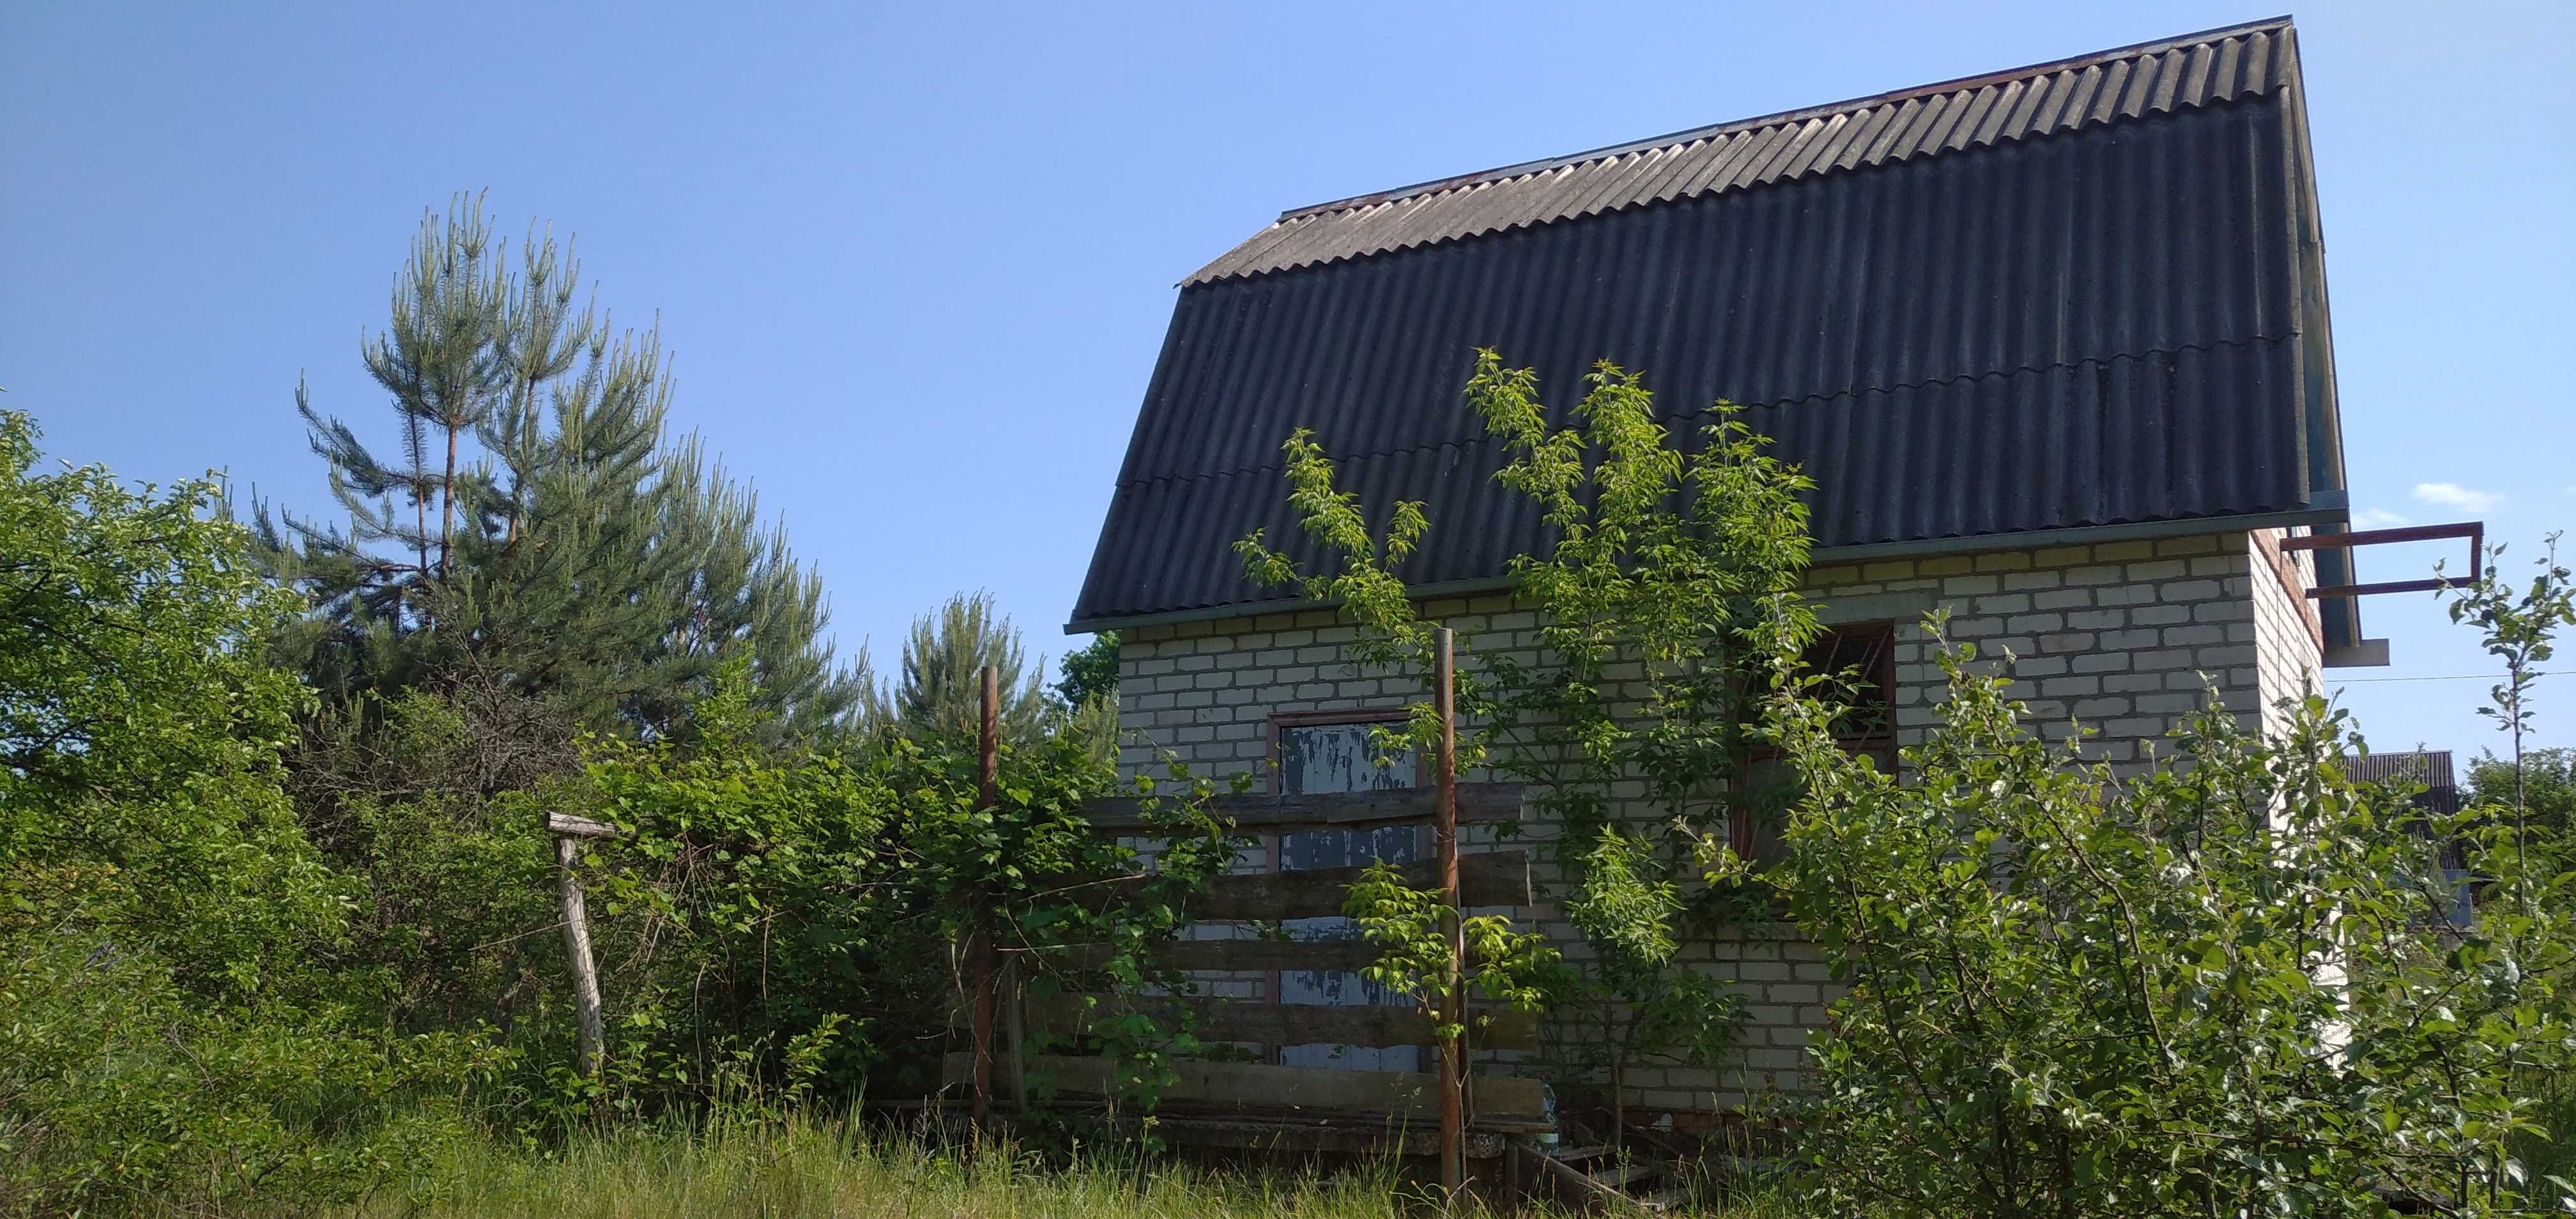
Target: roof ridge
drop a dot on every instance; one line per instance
(1690, 135)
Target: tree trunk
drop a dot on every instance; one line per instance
(447, 502)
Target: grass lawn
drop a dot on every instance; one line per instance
(803, 1169)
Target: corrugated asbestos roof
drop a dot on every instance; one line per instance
(2083, 322)
(2153, 78)
(2430, 767)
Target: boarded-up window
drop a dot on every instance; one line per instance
(1341, 757)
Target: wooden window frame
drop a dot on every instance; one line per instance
(1282, 721)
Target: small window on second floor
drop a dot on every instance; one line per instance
(1861, 657)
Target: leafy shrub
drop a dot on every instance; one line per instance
(770, 903)
(2223, 986)
(170, 1027)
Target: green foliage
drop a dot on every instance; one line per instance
(941, 691)
(1665, 608)
(411, 797)
(2518, 629)
(1087, 696)
(2223, 986)
(1365, 586)
(2546, 781)
(1628, 909)
(813, 1167)
(173, 1029)
(138, 739)
(1410, 928)
(1090, 672)
(766, 895)
(119, 1086)
(541, 521)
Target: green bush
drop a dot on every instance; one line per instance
(779, 918)
(2223, 986)
(171, 1028)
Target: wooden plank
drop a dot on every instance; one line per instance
(1240, 956)
(1477, 802)
(1502, 1102)
(1347, 1138)
(1228, 956)
(580, 827)
(1577, 1189)
(1279, 1024)
(1491, 878)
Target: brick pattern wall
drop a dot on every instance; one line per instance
(2122, 636)
(2289, 642)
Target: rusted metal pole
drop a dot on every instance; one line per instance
(988, 772)
(1453, 1048)
(590, 1036)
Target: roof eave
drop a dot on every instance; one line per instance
(2330, 508)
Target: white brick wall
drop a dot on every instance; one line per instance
(2123, 636)
(2290, 644)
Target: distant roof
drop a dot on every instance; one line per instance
(2150, 78)
(2080, 295)
(2430, 767)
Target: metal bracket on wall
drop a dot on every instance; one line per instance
(2374, 652)
(2474, 531)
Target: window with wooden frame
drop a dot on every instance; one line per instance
(1861, 658)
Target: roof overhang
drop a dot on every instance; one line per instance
(2331, 509)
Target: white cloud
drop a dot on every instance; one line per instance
(2378, 518)
(2453, 495)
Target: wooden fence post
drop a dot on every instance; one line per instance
(590, 1038)
(1453, 1048)
(988, 769)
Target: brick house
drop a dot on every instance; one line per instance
(2052, 342)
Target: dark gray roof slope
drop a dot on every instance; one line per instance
(2042, 300)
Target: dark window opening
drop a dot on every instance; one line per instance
(1861, 660)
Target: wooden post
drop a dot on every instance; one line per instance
(590, 1038)
(988, 771)
(1453, 1048)
(988, 754)
(1015, 1032)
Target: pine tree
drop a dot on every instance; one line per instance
(941, 690)
(542, 522)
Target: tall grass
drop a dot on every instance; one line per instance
(796, 1168)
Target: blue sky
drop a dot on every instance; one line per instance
(915, 263)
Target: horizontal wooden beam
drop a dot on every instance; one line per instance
(580, 827)
(1238, 956)
(1264, 1023)
(1349, 1138)
(1477, 802)
(1500, 1101)
(1486, 878)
